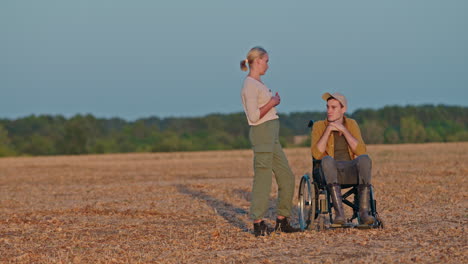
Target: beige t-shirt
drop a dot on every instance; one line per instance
(255, 95)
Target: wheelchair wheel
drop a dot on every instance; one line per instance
(307, 202)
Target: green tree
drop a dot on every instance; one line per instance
(373, 132)
(75, 138)
(412, 130)
(391, 136)
(5, 147)
(36, 144)
(459, 136)
(80, 135)
(433, 135)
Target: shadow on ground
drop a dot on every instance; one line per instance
(232, 214)
(226, 210)
(271, 213)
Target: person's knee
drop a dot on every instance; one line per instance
(364, 168)
(364, 162)
(329, 169)
(328, 162)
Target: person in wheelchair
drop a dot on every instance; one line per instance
(338, 143)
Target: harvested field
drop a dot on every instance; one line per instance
(192, 207)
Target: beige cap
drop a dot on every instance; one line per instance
(338, 97)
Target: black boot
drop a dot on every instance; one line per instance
(337, 200)
(282, 225)
(261, 229)
(364, 193)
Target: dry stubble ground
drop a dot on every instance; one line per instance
(193, 208)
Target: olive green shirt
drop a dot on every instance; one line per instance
(341, 147)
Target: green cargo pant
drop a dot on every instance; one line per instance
(268, 157)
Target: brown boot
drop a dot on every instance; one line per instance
(337, 200)
(261, 229)
(364, 193)
(283, 225)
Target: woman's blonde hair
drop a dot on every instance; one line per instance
(254, 53)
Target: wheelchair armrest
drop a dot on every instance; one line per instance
(317, 173)
(316, 163)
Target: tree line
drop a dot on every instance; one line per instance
(86, 134)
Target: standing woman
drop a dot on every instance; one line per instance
(259, 106)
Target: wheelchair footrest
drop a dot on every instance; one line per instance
(346, 225)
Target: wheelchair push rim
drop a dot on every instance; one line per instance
(307, 202)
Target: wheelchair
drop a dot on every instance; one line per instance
(315, 206)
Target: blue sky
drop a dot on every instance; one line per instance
(135, 59)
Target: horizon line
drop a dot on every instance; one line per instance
(68, 116)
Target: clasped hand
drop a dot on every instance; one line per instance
(336, 126)
(276, 99)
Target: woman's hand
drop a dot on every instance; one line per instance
(276, 99)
